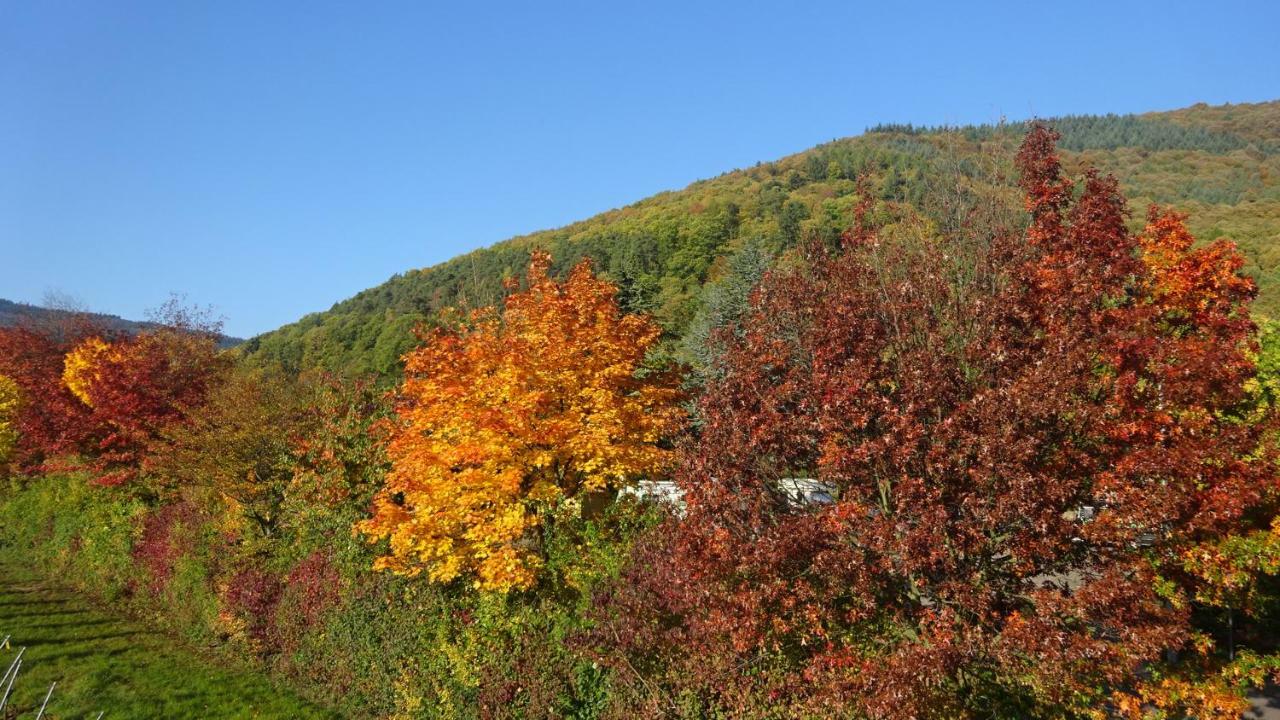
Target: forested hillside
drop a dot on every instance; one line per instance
(1219, 164)
(13, 314)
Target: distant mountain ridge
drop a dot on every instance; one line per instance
(15, 313)
(1220, 164)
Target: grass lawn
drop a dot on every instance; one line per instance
(103, 663)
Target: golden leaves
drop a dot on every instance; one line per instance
(80, 368)
(9, 403)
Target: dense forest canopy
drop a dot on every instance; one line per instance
(668, 253)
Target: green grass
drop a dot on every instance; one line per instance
(104, 663)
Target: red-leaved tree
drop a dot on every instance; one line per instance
(51, 421)
(137, 387)
(1018, 427)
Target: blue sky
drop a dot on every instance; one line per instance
(270, 159)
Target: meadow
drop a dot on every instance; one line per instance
(105, 664)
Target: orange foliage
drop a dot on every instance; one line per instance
(1179, 697)
(506, 417)
(1204, 686)
(1196, 283)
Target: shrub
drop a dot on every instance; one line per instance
(253, 594)
(70, 529)
(161, 544)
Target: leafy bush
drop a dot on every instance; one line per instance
(65, 527)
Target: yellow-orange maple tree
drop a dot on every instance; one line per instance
(505, 416)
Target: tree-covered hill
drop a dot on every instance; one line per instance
(16, 313)
(677, 253)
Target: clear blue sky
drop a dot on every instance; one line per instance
(272, 158)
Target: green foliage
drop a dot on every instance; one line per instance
(415, 649)
(68, 527)
(724, 302)
(189, 605)
(1100, 132)
(1268, 377)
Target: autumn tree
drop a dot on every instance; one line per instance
(262, 439)
(342, 458)
(237, 445)
(1022, 427)
(510, 414)
(51, 422)
(135, 387)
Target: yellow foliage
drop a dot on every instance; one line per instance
(506, 417)
(80, 367)
(409, 702)
(9, 403)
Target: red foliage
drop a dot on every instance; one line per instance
(965, 406)
(144, 384)
(51, 421)
(127, 395)
(309, 591)
(253, 594)
(159, 548)
(312, 587)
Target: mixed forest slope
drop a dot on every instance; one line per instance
(667, 253)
